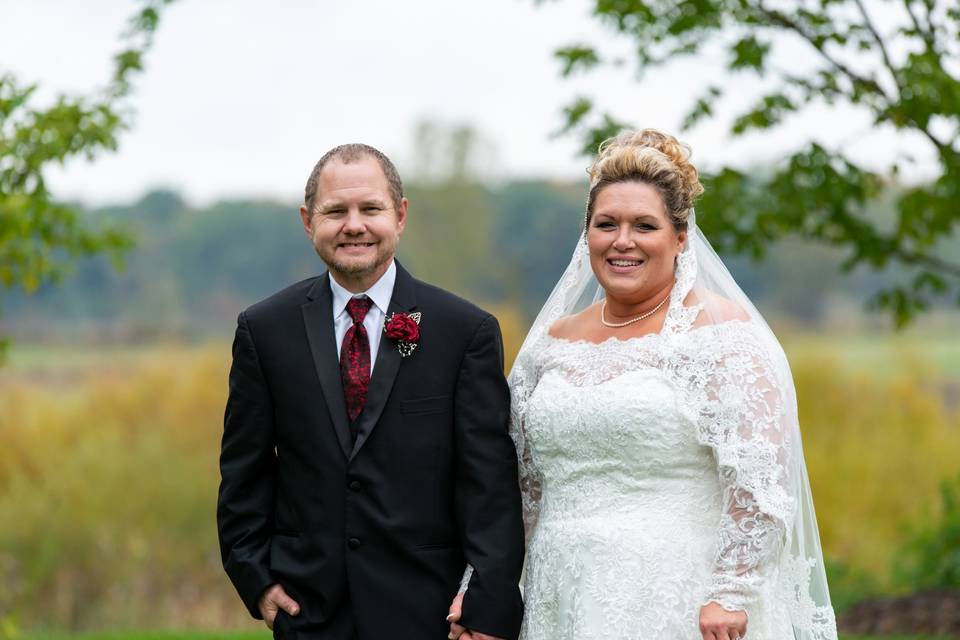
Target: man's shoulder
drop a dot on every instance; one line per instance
(450, 305)
(291, 297)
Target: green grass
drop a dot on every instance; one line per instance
(82, 430)
(147, 635)
(31, 358)
(882, 355)
(255, 635)
(873, 352)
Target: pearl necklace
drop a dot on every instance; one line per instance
(617, 325)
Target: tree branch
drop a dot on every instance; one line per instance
(782, 20)
(883, 47)
(933, 262)
(926, 34)
(942, 146)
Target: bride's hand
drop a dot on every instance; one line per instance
(716, 623)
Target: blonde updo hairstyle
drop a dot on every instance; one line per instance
(651, 157)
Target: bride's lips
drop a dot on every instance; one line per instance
(624, 264)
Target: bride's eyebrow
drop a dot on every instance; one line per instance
(642, 217)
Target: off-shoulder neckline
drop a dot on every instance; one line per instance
(644, 337)
(584, 341)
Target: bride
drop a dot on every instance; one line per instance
(655, 419)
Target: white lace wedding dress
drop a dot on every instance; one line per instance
(656, 477)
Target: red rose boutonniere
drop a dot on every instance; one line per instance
(404, 329)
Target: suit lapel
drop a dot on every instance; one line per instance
(318, 317)
(388, 362)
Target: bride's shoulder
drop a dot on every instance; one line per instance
(716, 309)
(562, 328)
(571, 327)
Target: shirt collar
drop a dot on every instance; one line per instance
(381, 292)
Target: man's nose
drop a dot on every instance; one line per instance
(354, 222)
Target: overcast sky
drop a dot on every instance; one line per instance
(240, 97)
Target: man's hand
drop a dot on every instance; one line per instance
(272, 600)
(456, 631)
(716, 623)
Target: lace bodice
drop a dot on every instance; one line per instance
(602, 448)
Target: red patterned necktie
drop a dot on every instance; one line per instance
(355, 358)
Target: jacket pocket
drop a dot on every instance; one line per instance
(423, 406)
(437, 546)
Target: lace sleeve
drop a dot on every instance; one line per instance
(742, 420)
(530, 483)
(523, 379)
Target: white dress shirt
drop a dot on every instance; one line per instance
(381, 292)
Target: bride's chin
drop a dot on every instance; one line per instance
(622, 300)
(627, 288)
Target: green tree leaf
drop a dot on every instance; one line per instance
(40, 237)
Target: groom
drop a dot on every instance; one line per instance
(365, 457)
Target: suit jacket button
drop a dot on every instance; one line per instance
(353, 543)
(355, 485)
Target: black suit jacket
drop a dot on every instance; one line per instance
(391, 519)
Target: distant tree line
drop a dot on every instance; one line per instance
(195, 269)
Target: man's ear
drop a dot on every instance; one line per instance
(402, 214)
(305, 218)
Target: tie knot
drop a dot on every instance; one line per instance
(358, 307)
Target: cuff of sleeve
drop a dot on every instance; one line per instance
(733, 593)
(465, 581)
(496, 610)
(250, 580)
(728, 602)
(252, 601)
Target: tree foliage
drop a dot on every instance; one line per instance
(40, 236)
(904, 74)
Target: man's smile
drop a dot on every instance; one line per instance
(350, 246)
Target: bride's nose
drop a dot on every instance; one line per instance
(624, 239)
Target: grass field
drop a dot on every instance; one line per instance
(150, 635)
(108, 476)
(879, 354)
(883, 355)
(255, 635)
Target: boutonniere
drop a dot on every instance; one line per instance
(404, 329)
